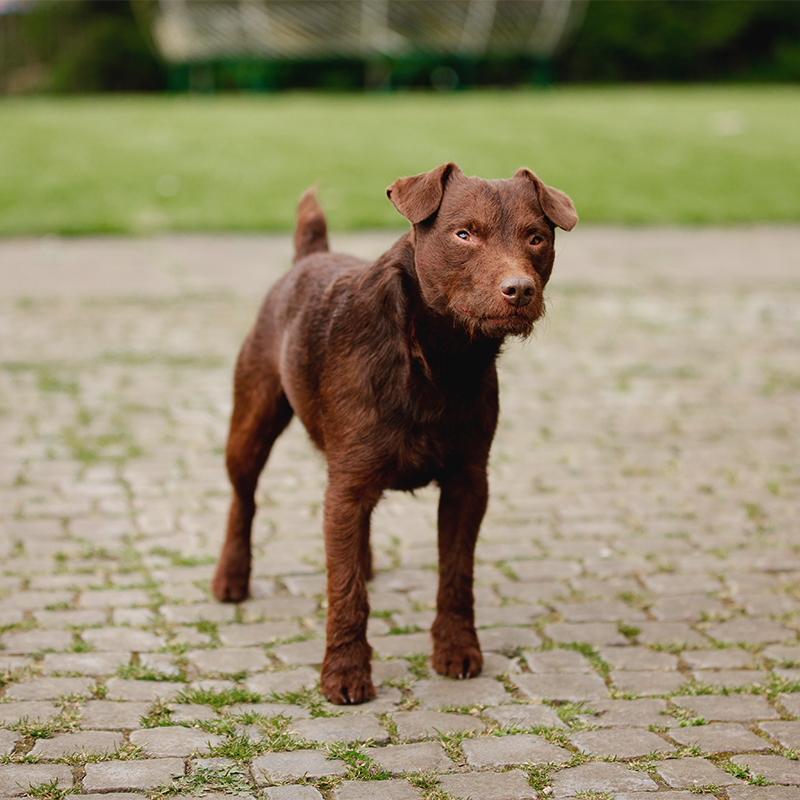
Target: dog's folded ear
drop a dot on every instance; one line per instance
(557, 207)
(419, 196)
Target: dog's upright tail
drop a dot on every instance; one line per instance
(311, 233)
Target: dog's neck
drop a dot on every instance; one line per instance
(437, 342)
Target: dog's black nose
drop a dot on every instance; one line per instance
(518, 291)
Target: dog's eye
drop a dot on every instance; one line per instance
(536, 240)
(463, 235)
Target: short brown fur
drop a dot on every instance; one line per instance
(391, 368)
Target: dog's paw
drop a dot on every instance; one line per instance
(347, 676)
(458, 657)
(229, 586)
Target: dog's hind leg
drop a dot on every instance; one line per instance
(261, 413)
(462, 504)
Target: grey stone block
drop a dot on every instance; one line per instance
(290, 680)
(8, 741)
(49, 688)
(95, 664)
(511, 785)
(292, 793)
(295, 764)
(728, 708)
(665, 633)
(142, 691)
(227, 661)
(763, 793)
(415, 725)
(440, 692)
(776, 769)
(750, 631)
(620, 743)
(116, 640)
(732, 678)
(90, 742)
(688, 773)
(126, 775)
(651, 682)
(596, 633)
(719, 737)
(785, 732)
(570, 687)
(16, 778)
(502, 751)
(112, 715)
(26, 642)
(400, 759)
(401, 645)
(34, 710)
(553, 661)
(641, 713)
(270, 710)
(355, 728)
(727, 658)
(600, 777)
(496, 640)
(307, 653)
(175, 740)
(256, 633)
(525, 716)
(376, 790)
(639, 659)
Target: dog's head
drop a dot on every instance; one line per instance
(484, 250)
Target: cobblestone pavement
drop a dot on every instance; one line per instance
(638, 585)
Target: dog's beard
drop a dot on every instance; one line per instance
(497, 328)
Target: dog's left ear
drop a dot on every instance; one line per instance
(557, 207)
(419, 196)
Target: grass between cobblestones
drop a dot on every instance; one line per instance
(627, 522)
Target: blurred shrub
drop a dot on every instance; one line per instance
(93, 46)
(677, 40)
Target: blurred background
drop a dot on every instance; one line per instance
(144, 115)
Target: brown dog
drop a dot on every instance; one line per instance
(391, 368)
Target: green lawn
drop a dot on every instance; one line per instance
(636, 155)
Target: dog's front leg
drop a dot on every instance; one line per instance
(346, 672)
(462, 504)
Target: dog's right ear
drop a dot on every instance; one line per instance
(418, 197)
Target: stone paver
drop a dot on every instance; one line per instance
(295, 764)
(174, 740)
(16, 778)
(510, 785)
(399, 759)
(776, 769)
(356, 728)
(90, 742)
(570, 687)
(377, 790)
(728, 708)
(719, 737)
(438, 693)
(600, 777)
(691, 772)
(620, 743)
(640, 713)
(121, 775)
(503, 751)
(415, 725)
(640, 537)
(301, 792)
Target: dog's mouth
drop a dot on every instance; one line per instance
(511, 324)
